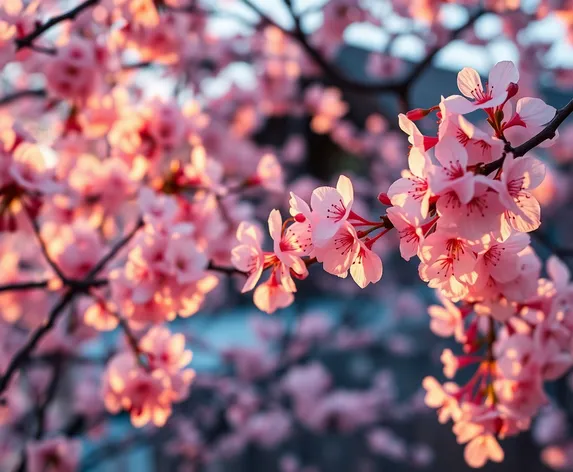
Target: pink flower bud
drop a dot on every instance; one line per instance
(384, 199)
(512, 90)
(418, 113)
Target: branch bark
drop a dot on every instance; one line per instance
(14, 97)
(28, 40)
(400, 87)
(546, 133)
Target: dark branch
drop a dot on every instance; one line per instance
(17, 286)
(33, 341)
(13, 97)
(224, 270)
(114, 250)
(28, 40)
(44, 249)
(427, 61)
(339, 78)
(546, 133)
(75, 287)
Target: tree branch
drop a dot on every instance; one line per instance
(18, 286)
(224, 270)
(13, 97)
(546, 133)
(75, 287)
(44, 250)
(339, 78)
(113, 252)
(28, 40)
(33, 341)
(427, 61)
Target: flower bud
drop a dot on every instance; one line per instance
(418, 113)
(512, 90)
(384, 199)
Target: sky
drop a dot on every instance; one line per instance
(456, 54)
(453, 57)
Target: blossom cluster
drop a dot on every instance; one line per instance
(135, 163)
(464, 208)
(146, 383)
(326, 234)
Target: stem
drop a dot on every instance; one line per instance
(44, 250)
(115, 249)
(225, 270)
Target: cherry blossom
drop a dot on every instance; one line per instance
(501, 77)
(146, 153)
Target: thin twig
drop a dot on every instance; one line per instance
(18, 286)
(224, 270)
(28, 40)
(33, 341)
(340, 79)
(15, 96)
(44, 250)
(75, 288)
(48, 397)
(113, 252)
(546, 133)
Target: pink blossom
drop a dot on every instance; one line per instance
(412, 191)
(345, 410)
(291, 243)
(248, 256)
(481, 449)
(500, 260)
(501, 76)
(269, 429)
(531, 114)
(330, 209)
(339, 252)
(384, 442)
(157, 209)
(446, 320)
(442, 398)
(185, 260)
(410, 230)
(477, 218)
(307, 383)
(448, 263)
(479, 144)
(73, 72)
(452, 175)
(148, 391)
(520, 176)
(366, 268)
(415, 137)
(272, 295)
(269, 174)
(59, 453)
